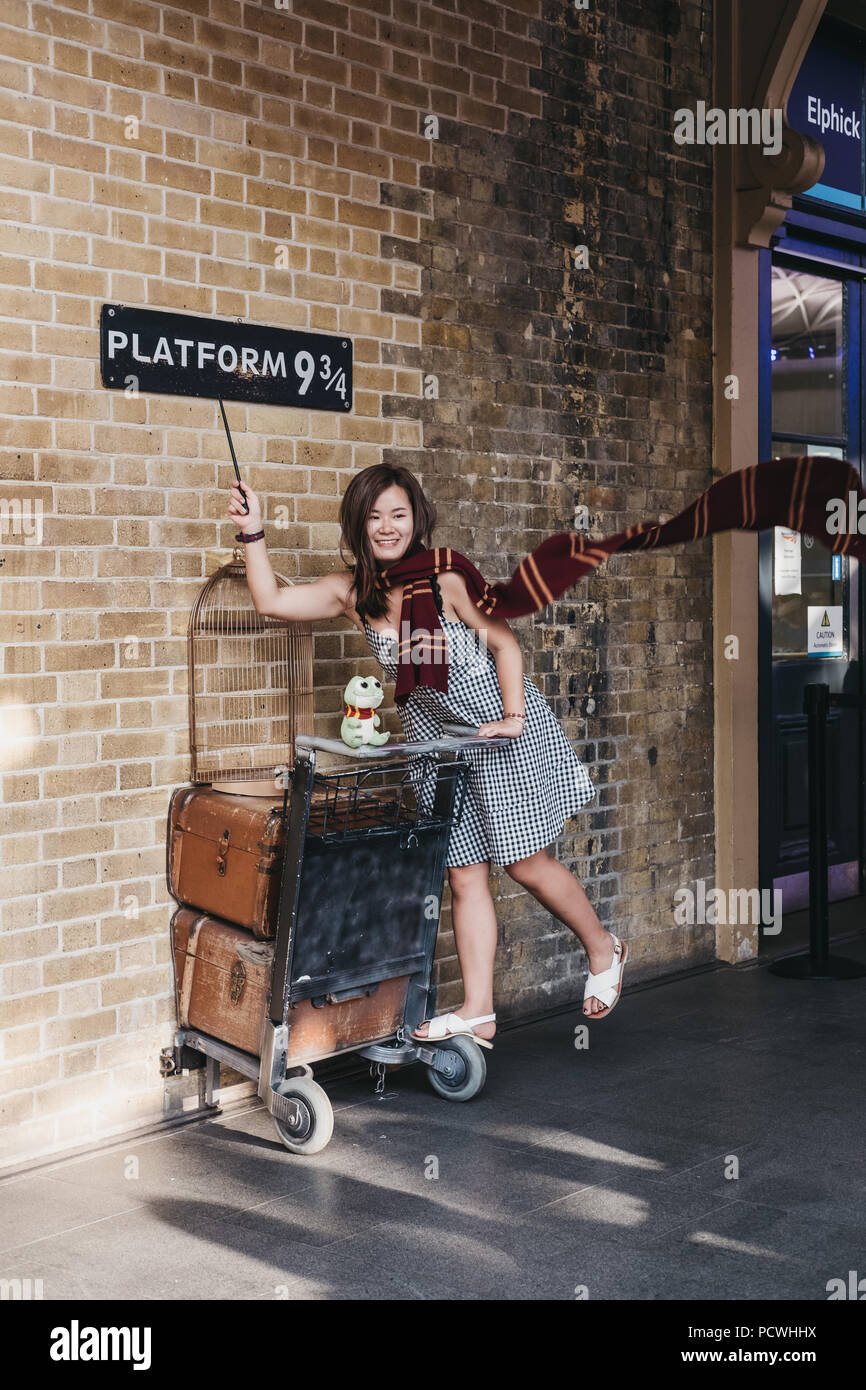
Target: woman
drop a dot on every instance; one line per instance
(517, 797)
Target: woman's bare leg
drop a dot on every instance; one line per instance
(556, 888)
(474, 918)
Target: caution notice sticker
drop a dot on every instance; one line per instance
(826, 637)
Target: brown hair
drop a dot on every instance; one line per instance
(358, 501)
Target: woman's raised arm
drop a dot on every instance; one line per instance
(323, 598)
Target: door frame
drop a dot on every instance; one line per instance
(834, 245)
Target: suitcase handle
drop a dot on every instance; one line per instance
(342, 996)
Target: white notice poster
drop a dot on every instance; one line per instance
(825, 631)
(788, 563)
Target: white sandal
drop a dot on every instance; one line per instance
(446, 1026)
(608, 985)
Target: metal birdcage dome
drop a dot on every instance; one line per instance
(250, 682)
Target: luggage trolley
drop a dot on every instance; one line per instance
(357, 921)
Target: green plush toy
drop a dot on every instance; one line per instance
(361, 697)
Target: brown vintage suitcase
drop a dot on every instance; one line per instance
(225, 855)
(222, 977)
(222, 981)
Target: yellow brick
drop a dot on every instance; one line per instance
(50, 1099)
(29, 817)
(50, 150)
(48, 19)
(26, 1075)
(118, 194)
(79, 749)
(72, 210)
(125, 164)
(77, 626)
(17, 401)
(79, 686)
(140, 804)
(141, 984)
(76, 281)
(78, 872)
(135, 956)
(68, 1032)
(68, 467)
(87, 657)
(25, 304)
(17, 849)
(69, 57)
(64, 88)
(79, 936)
(17, 1108)
(36, 752)
(21, 979)
(17, 337)
(73, 500)
(79, 1062)
(28, 1009)
(117, 747)
(120, 929)
(116, 256)
(14, 368)
(66, 720)
(87, 965)
(122, 72)
(79, 999)
(112, 130)
(70, 309)
(123, 868)
(93, 595)
(78, 840)
(21, 1042)
(78, 811)
(69, 122)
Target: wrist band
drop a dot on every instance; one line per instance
(259, 536)
(515, 716)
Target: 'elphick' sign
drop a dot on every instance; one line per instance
(180, 355)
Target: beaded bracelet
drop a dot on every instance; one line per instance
(259, 536)
(515, 716)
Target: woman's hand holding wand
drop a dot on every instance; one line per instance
(249, 522)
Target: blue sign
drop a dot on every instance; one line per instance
(827, 102)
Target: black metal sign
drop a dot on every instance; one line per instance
(180, 355)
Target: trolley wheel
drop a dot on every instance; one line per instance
(466, 1070)
(312, 1125)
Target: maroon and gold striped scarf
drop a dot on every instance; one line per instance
(792, 492)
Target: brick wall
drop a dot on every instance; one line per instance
(260, 128)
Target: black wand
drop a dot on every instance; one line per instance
(234, 460)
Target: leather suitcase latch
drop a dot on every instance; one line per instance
(239, 979)
(222, 851)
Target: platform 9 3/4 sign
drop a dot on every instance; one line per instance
(181, 355)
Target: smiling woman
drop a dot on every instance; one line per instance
(384, 515)
(518, 795)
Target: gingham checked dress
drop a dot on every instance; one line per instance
(519, 796)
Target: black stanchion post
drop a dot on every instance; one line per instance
(817, 705)
(819, 964)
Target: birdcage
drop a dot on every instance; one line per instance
(250, 684)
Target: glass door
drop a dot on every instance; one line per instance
(810, 599)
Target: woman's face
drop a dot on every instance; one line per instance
(390, 524)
